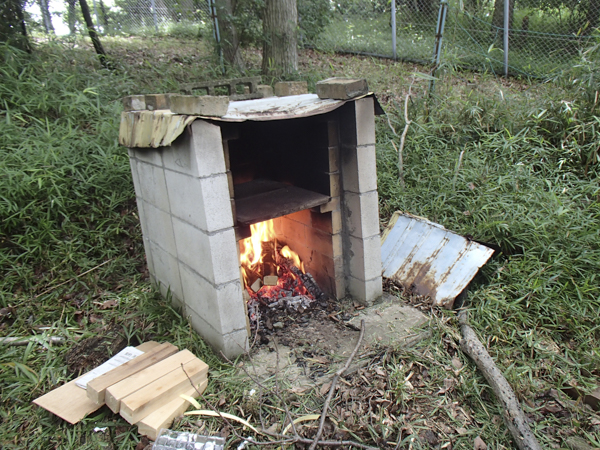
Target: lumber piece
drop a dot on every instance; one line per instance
(163, 417)
(513, 414)
(97, 387)
(136, 406)
(117, 392)
(70, 402)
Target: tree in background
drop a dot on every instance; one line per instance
(46, 18)
(280, 48)
(230, 43)
(12, 24)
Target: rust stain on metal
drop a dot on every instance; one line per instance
(433, 260)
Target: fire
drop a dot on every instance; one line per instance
(263, 259)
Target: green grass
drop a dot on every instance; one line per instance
(527, 183)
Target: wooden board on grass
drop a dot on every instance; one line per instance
(97, 387)
(70, 402)
(115, 393)
(163, 417)
(136, 406)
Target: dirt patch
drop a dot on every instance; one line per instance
(93, 351)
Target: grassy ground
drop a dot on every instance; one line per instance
(527, 182)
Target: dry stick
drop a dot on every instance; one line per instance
(333, 385)
(407, 123)
(513, 414)
(282, 439)
(71, 279)
(18, 341)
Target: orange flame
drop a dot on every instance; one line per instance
(252, 255)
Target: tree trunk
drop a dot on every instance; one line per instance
(12, 25)
(104, 16)
(230, 44)
(72, 16)
(280, 48)
(46, 17)
(498, 19)
(85, 10)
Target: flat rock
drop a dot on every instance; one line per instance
(286, 88)
(203, 105)
(342, 88)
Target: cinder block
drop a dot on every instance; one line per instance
(336, 221)
(332, 205)
(166, 270)
(159, 227)
(361, 214)
(342, 88)
(147, 155)
(203, 105)
(265, 90)
(286, 88)
(334, 184)
(152, 185)
(134, 103)
(365, 292)
(359, 169)
(223, 305)
(134, 176)
(334, 158)
(365, 121)
(230, 185)
(202, 202)
(226, 154)
(199, 153)
(157, 101)
(365, 257)
(213, 256)
(231, 344)
(337, 245)
(357, 119)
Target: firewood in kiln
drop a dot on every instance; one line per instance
(270, 280)
(309, 283)
(256, 285)
(269, 265)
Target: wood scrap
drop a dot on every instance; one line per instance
(163, 417)
(513, 414)
(161, 391)
(70, 402)
(97, 387)
(117, 392)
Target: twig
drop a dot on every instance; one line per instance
(407, 123)
(18, 341)
(513, 414)
(50, 289)
(333, 385)
(460, 158)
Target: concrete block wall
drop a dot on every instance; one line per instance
(360, 208)
(187, 222)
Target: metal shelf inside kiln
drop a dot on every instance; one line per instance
(260, 200)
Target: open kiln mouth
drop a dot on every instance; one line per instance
(275, 200)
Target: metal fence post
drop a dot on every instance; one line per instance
(153, 6)
(437, 49)
(394, 29)
(212, 7)
(506, 30)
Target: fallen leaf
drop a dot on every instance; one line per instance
(456, 363)
(325, 389)
(478, 444)
(108, 304)
(221, 401)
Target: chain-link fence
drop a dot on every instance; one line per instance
(135, 17)
(544, 36)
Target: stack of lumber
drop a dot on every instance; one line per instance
(146, 390)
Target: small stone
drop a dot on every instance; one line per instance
(265, 90)
(157, 101)
(134, 103)
(278, 325)
(286, 88)
(204, 105)
(342, 88)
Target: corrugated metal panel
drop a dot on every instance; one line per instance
(434, 261)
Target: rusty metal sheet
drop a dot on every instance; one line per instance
(436, 262)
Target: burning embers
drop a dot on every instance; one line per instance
(273, 274)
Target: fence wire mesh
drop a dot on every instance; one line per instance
(545, 36)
